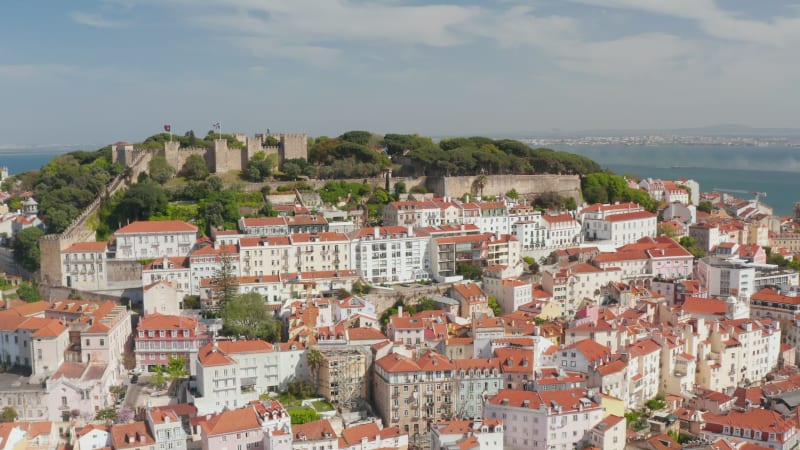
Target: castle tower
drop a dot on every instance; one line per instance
(123, 153)
(221, 156)
(293, 146)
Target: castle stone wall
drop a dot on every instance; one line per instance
(565, 185)
(121, 271)
(177, 156)
(293, 146)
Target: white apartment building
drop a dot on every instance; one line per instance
(391, 254)
(204, 262)
(477, 433)
(84, 265)
(648, 257)
(231, 374)
(572, 284)
(644, 374)
(423, 213)
(737, 352)
(153, 239)
(546, 419)
(563, 230)
(264, 226)
(511, 293)
(175, 270)
(475, 379)
(299, 252)
(166, 428)
(609, 434)
(617, 224)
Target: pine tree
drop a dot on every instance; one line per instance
(225, 284)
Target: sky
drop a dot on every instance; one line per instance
(94, 72)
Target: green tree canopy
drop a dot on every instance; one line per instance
(160, 170)
(691, 246)
(494, 305)
(604, 187)
(194, 168)
(247, 315)
(705, 206)
(357, 137)
(260, 166)
(469, 271)
(142, 201)
(9, 414)
(26, 248)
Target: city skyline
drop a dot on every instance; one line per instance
(95, 72)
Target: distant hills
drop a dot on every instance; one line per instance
(714, 130)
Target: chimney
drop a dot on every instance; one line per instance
(400, 311)
(410, 231)
(377, 231)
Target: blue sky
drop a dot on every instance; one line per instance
(100, 71)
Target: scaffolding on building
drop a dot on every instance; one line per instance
(347, 376)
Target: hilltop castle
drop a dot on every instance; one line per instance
(220, 158)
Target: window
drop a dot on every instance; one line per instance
(102, 342)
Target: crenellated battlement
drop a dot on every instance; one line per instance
(219, 157)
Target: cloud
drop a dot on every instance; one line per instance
(287, 21)
(714, 21)
(93, 20)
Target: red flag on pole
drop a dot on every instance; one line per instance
(167, 128)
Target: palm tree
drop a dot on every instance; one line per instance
(315, 359)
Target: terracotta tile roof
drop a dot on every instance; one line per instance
(468, 364)
(609, 422)
(590, 349)
(699, 305)
(159, 226)
(612, 367)
(405, 322)
(621, 217)
(10, 320)
(757, 419)
(50, 328)
(263, 221)
(353, 435)
(314, 431)
(568, 399)
(643, 347)
(29, 309)
(159, 416)
(134, 434)
(158, 321)
(464, 426)
(86, 247)
(515, 360)
(232, 421)
(91, 427)
(179, 409)
(770, 295)
(364, 334)
(558, 218)
(663, 442)
(208, 356)
(598, 207)
(469, 290)
(327, 236)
